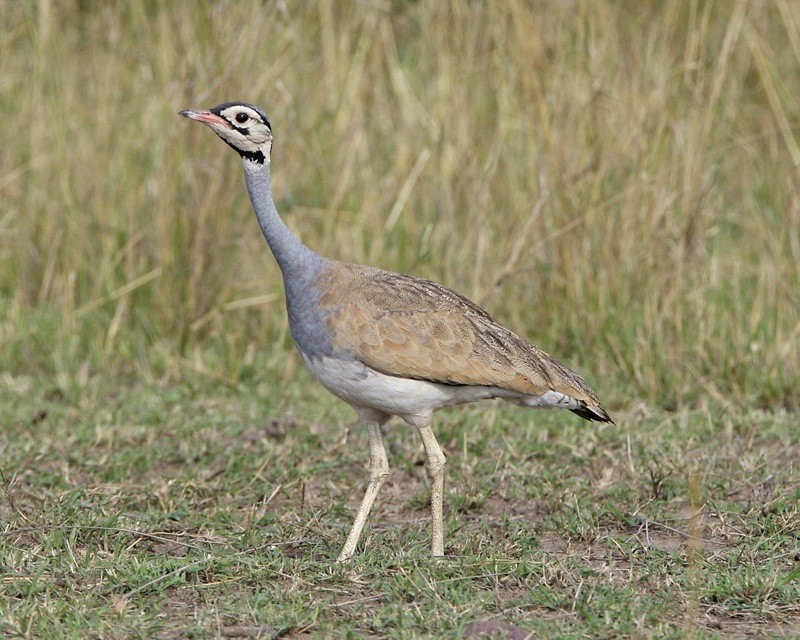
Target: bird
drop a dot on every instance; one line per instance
(390, 344)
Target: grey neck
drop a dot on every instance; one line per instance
(290, 254)
(300, 266)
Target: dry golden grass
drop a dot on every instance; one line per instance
(617, 181)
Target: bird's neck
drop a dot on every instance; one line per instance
(290, 254)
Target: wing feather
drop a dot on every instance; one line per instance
(413, 328)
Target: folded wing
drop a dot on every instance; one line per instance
(413, 328)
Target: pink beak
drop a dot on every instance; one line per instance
(206, 117)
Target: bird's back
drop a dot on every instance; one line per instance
(411, 328)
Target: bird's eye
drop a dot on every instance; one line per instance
(242, 117)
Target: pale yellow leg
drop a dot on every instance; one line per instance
(435, 468)
(378, 470)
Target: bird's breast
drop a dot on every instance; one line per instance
(307, 324)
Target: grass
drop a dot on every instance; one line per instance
(617, 181)
(190, 512)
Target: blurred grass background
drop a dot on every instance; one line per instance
(617, 181)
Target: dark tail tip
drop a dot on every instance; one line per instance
(593, 414)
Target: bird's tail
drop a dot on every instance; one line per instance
(595, 414)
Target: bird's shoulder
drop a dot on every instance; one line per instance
(379, 293)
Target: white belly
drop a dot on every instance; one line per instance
(360, 386)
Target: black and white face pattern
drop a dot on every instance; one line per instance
(242, 126)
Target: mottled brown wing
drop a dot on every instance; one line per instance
(413, 328)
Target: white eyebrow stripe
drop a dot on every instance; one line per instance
(230, 113)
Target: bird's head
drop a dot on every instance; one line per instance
(243, 126)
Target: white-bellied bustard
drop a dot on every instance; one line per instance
(391, 344)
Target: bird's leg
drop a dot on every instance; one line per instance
(435, 468)
(378, 470)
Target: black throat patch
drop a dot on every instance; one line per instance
(253, 156)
